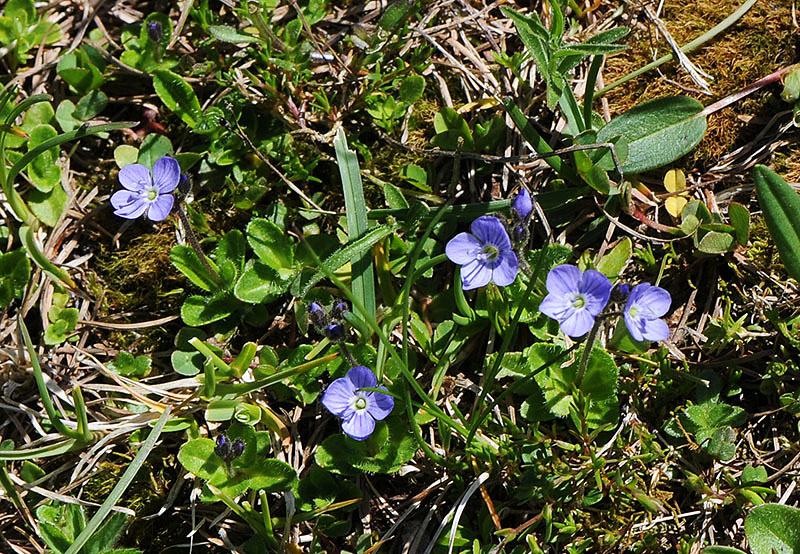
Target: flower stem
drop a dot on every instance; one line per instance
(194, 243)
(348, 355)
(587, 351)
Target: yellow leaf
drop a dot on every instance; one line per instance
(674, 181)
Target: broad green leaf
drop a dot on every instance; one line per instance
(128, 365)
(721, 550)
(177, 95)
(229, 34)
(22, 10)
(260, 284)
(125, 154)
(185, 259)
(154, 147)
(90, 105)
(781, 207)
(716, 243)
(202, 310)
(231, 248)
(48, 206)
(15, 270)
(270, 244)
(612, 264)
(451, 128)
(773, 529)
(658, 132)
(740, 219)
(389, 447)
(394, 197)
(43, 171)
(411, 88)
(65, 116)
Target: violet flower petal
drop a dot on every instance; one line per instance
(338, 397)
(506, 271)
(475, 275)
(160, 207)
(134, 177)
(166, 174)
(359, 426)
(463, 248)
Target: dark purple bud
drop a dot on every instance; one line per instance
(339, 310)
(223, 447)
(185, 185)
(522, 204)
(155, 31)
(620, 292)
(318, 316)
(237, 448)
(334, 332)
(520, 233)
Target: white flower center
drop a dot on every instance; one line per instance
(634, 311)
(578, 301)
(489, 252)
(360, 403)
(151, 193)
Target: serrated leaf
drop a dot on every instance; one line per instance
(389, 447)
(177, 95)
(260, 284)
(185, 259)
(270, 244)
(202, 310)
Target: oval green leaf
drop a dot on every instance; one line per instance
(773, 528)
(658, 132)
(781, 207)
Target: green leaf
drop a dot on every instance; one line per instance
(15, 270)
(740, 219)
(411, 88)
(177, 95)
(716, 243)
(773, 529)
(185, 259)
(389, 447)
(229, 34)
(105, 537)
(48, 206)
(721, 550)
(43, 171)
(260, 284)
(658, 132)
(231, 248)
(450, 126)
(612, 264)
(270, 244)
(394, 197)
(153, 148)
(202, 310)
(128, 366)
(22, 10)
(65, 116)
(125, 154)
(304, 282)
(781, 207)
(362, 282)
(90, 105)
(62, 326)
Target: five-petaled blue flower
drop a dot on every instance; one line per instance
(485, 254)
(359, 409)
(145, 193)
(643, 310)
(575, 299)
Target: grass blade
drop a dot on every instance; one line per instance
(363, 279)
(121, 486)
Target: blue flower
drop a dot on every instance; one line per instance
(575, 299)
(645, 305)
(485, 254)
(145, 193)
(522, 204)
(358, 409)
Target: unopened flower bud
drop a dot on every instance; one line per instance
(522, 205)
(155, 31)
(317, 315)
(334, 332)
(228, 450)
(339, 309)
(620, 292)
